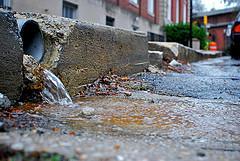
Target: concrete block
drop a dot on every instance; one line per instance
(11, 56)
(80, 52)
(196, 44)
(189, 55)
(155, 58)
(169, 52)
(180, 52)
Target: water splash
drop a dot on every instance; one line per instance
(54, 91)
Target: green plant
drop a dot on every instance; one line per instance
(180, 33)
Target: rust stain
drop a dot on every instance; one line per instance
(130, 114)
(124, 120)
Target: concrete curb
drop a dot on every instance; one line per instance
(180, 52)
(11, 56)
(80, 52)
(155, 58)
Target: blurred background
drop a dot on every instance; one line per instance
(161, 20)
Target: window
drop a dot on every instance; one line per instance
(5, 4)
(155, 37)
(169, 10)
(184, 11)
(177, 11)
(69, 10)
(135, 2)
(110, 21)
(151, 7)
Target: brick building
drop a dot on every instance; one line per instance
(177, 11)
(218, 22)
(147, 16)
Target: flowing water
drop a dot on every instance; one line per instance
(169, 126)
(54, 91)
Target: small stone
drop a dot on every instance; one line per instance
(29, 148)
(116, 129)
(120, 158)
(40, 131)
(127, 93)
(88, 111)
(65, 144)
(201, 154)
(4, 101)
(153, 69)
(148, 120)
(83, 157)
(2, 128)
(17, 146)
(59, 34)
(152, 101)
(175, 63)
(78, 151)
(74, 105)
(106, 80)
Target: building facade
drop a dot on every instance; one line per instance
(147, 16)
(219, 22)
(177, 11)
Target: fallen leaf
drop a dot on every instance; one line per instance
(117, 147)
(124, 79)
(72, 133)
(55, 129)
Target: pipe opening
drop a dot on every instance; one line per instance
(33, 42)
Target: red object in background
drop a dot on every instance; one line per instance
(219, 37)
(217, 28)
(213, 46)
(236, 28)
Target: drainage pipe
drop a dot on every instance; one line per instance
(78, 53)
(32, 37)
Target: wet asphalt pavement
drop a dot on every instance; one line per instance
(212, 79)
(185, 117)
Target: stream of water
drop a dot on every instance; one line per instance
(54, 91)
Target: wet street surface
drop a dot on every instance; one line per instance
(212, 79)
(180, 116)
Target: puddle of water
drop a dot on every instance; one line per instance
(114, 116)
(126, 115)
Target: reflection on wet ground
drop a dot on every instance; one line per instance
(212, 79)
(124, 115)
(146, 114)
(146, 126)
